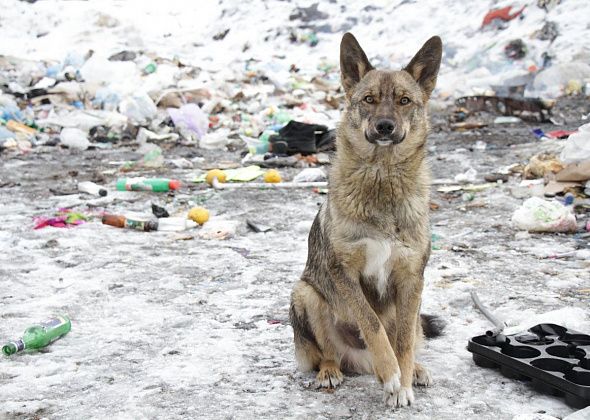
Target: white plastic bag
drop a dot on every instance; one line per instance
(577, 146)
(74, 138)
(538, 215)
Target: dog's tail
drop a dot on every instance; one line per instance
(432, 325)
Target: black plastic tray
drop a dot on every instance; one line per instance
(556, 359)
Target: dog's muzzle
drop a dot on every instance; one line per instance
(384, 140)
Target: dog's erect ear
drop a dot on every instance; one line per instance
(353, 62)
(425, 64)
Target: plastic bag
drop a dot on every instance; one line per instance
(538, 215)
(74, 138)
(190, 117)
(139, 108)
(577, 146)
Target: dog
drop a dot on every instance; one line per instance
(356, 306)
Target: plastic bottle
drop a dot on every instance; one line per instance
(39, 335)
(145, 184)
(92, 188)
(125, 222)
(175, 224)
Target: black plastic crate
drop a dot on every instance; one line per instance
(556, 359)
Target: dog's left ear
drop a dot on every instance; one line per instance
(425, 64)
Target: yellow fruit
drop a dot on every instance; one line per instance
(272, 176)
(199, 215)
(215, 173)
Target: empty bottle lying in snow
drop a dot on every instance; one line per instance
(91, 188)
(119, 221)
(39, 335)
(147, 184)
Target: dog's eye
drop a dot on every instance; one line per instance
(404, 101)
(369, 99)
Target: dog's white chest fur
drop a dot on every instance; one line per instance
(377, 255)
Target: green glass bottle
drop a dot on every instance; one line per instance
(39, 335)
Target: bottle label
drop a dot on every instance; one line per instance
(135, 224)
(19, 344)
(53, 323)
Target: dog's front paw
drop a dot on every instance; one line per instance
(402, 397)
(422, 376)
(329, 376)
(391, 388)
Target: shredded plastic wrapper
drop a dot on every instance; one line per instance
(538, 215)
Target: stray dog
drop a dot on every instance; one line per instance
(356, 306)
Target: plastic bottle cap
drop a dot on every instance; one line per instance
(174, 184)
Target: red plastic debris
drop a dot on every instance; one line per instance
(503, 14)
(560, 134)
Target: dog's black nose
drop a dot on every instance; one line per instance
(385, 127)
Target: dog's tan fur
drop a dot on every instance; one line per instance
(357, 304)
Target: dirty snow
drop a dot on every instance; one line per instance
(170, 326)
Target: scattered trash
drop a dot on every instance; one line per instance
(147, 184)
(462, 126)
(175, 224)
(39, 335)
(529, 188)
(538, 215)
(152, 159)
(136, 223)
(575, 172)
(244, 174)
(217, 174)
(311, 175)
(257, 227)
(524, 108)
(199, 215)
(272, 176)
(159, 212)
(219, 229)
(62, 218)
(467, 187)
(92, 189)
(497, 17)
(190, 118)
(515, 49)
(468, 176)
(555, 134)
(577, 147)
(507, 120)
(542, 164)
(299, 137)
(74, 138)
(548, 32)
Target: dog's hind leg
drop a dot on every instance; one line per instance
(312, 324)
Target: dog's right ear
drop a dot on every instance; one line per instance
(353, 62)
